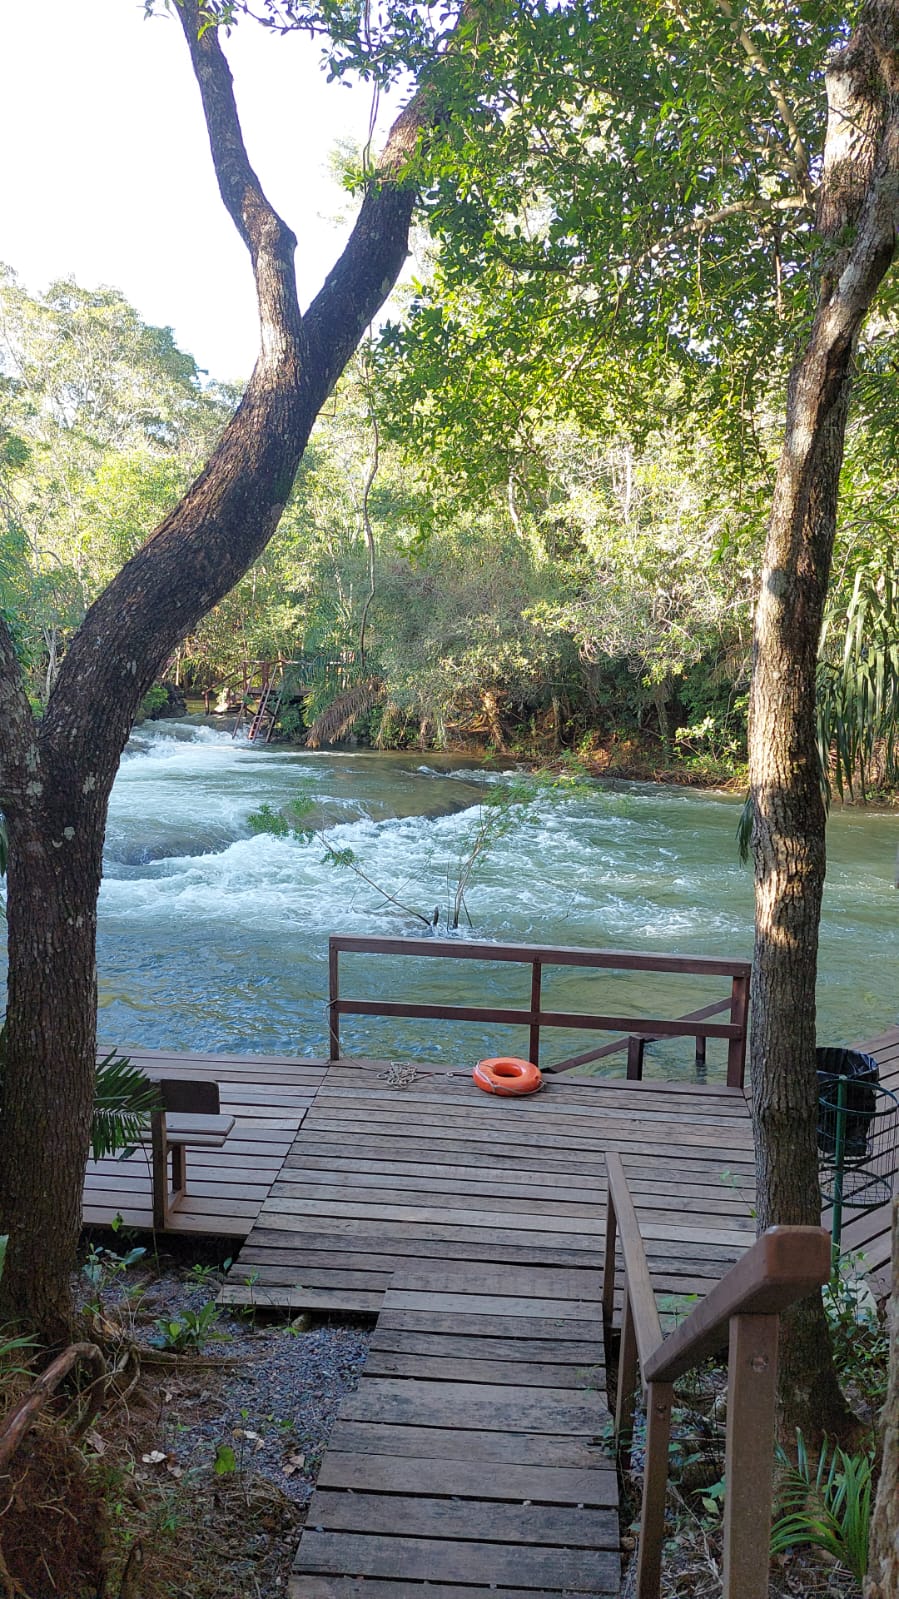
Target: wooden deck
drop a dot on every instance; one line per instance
(469, 1463)
(470, 1460)
(382, 1175)
(267, 1094)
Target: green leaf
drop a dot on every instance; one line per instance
(225, 1460)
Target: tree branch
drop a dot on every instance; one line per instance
(800, 161)
(270, 241)
(363, 277)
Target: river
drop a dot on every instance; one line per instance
(213, 937)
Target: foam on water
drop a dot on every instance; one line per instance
(213, 937)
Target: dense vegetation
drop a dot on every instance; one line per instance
(593, 593)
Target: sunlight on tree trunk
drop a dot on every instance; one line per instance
(858, 213)
(56, 774)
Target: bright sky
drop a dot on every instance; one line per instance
(107, 174)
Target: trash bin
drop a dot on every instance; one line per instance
(857, 1100)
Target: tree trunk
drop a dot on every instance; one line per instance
(858, 204)
(882, 1581)
(56, 775)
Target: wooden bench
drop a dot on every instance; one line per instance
(189, 1117)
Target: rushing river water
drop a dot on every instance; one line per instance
(213, 937)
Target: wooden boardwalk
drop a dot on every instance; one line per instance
(267, 1094)
(470, 1460)
(869, 1234)
(381, 1175)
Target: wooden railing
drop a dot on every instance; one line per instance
(638, 1030)
(742, 1311)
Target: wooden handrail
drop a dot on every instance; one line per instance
(638, 1029)
(784, 1265)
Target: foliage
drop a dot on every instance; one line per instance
(858, 688)
(190, 1329)
(828, 1507)
(860, 1339)
(123, 1099)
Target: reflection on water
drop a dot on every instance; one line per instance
(211, 937)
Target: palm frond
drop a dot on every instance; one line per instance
(829, 1510)
(858, 691)
(123, 1099)
(338, 717)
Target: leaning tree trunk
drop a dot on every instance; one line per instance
(859, 209)
(56, 774)
(882, 1581)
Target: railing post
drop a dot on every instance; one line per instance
(534, 1045)
(627, 1381)
(749, 1452)
(736, 1049)
(608, 1273)
(659, 1399)
(333, 995)
(635, 1049)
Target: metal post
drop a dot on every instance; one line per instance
(839, 1156)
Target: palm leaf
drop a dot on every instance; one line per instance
(123, 1099)
(338, 717)
(830, 1510)
(858, 690)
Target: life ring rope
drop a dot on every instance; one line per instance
(507, 1074)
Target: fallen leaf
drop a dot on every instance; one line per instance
(154, 1458)
(97, 1443)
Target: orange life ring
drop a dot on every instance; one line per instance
(506, 1074)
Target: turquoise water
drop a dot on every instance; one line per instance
(214, 938)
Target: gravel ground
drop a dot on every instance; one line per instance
(222, 1438)
(265, 1388)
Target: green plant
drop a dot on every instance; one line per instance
(861, 1343)
(123, 1100)
(190, 1329)
(203, 1275)
(155, 698)
(268, 820)
(830, 1510)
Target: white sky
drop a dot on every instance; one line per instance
(107, 174)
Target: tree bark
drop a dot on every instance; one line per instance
(56, 775)
(882, 1581)
(858, 214)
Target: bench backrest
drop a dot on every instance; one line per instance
(189, 1096)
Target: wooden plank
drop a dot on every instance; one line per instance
(419, 1516)
(429, 1559)
(482, 1406)
(330, 1587)
(426, 1475)
(471, 1446)
(468, 1367)
(515, 1352)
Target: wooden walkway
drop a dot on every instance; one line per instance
(870, 1234)
(382, 1175)
(267, 1094)
(470, 1460)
